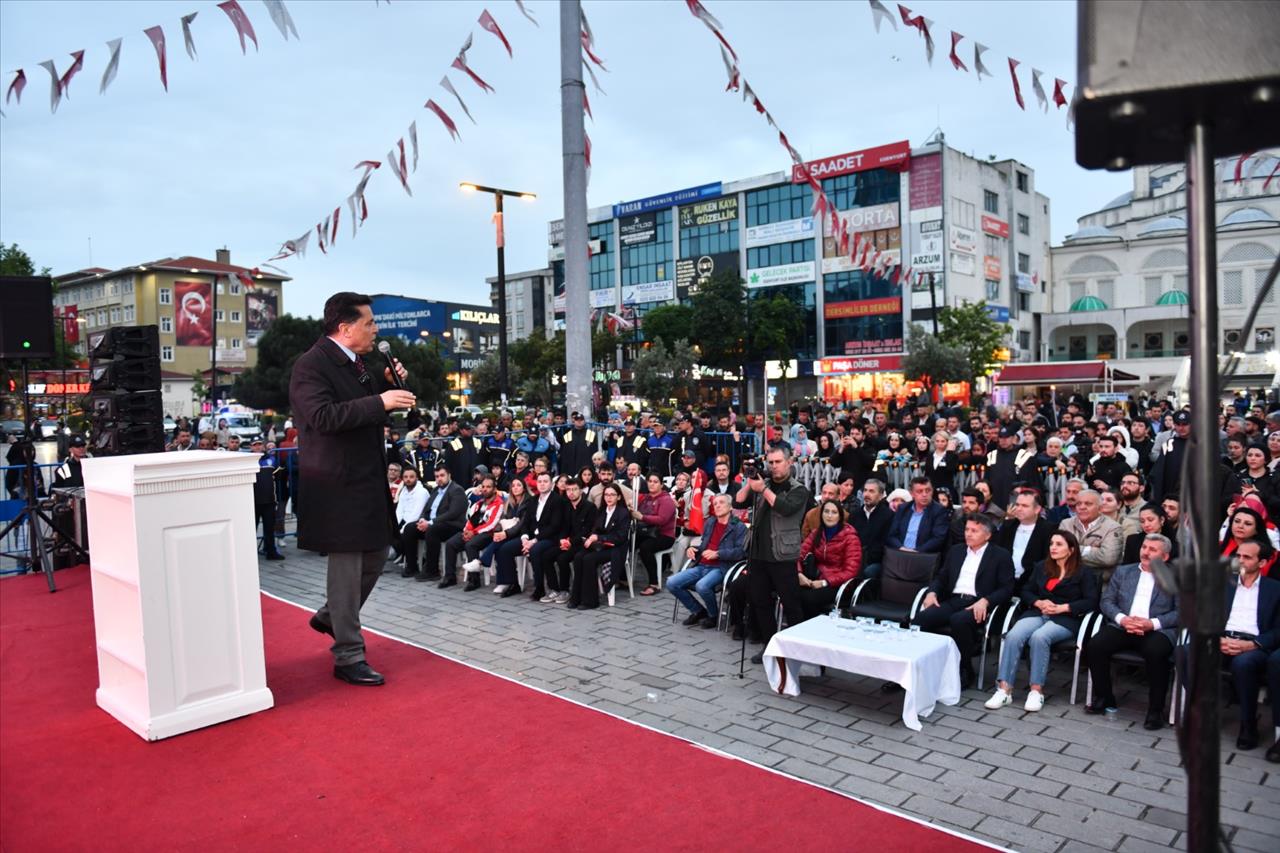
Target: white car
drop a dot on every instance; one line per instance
(247, 425)
(472, 412)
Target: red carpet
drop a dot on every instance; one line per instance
(443, 757)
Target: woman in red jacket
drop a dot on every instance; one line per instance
(837, 553)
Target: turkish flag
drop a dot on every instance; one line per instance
(71, 324)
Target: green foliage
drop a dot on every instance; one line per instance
(663, 374)
(774, 324)
(719, 320)
(933, 362)
(484, 380)
(14, 261)
(266, 385)
(669, 323)
(970, 328)
(199, 390)
(426, 368)
(534, 361)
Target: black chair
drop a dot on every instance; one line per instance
(896, 594)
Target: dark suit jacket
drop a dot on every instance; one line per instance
(1058, 514)
(581, 521)
(931, 538)
(1118, 598)
(944, 474)
(616, 531)
(343, 470)
(1080, 592)
(995, 574)
(554, 523)
(873, 530)
(452, 511)
(1037, 546)
(1268, 612)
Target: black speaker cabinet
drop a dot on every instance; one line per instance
(26, 317)
(126, 341)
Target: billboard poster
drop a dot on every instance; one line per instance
(641, 228)
(804, 271)
(650, 291)
(193, 325)
(926, 181)
(991, 267)
(657, 202)
(778, 232)
(920, 296)
(408, 318)
(863, 308)
(260, 308)
(963, 264)
(963, 240)
(995, 227)
(691, 272)
(709, 212)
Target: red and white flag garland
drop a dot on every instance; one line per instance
(112, 65)
(240, 21)
(527, 14)
(281, 18)
(156, 34)
(487, 22)
(444, 118)
(460, 63)
(187, 39)
(447, 85)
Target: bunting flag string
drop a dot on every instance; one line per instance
(444, 117)
(922, 25)
(978, 67)
(112, 66)
(460, 63)
(447, 85)
(413, 142)
(15, 88)
(398, 166)
(1036, 86)
(187, 40)
(77, 63)
(487, 22)
(594, 81)
(527, 14)
(156, 34)
(880, 13)
(321, 229)
(586, 104)
(700, 12)
(731, 68)
(240, 21)
(281, 18)
(333, 235)
(956, 62)
(1017, 89)
(55, 85)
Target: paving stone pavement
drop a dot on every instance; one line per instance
(1054, 781)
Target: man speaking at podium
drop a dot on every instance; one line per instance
(339, 406)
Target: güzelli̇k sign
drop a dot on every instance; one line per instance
(709, 212)
(896, 155)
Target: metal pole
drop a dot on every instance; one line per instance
(577, 334)
(502, 301)
(213, 353)
(1202, 578)
(933, 304)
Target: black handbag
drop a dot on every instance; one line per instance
(809, 566)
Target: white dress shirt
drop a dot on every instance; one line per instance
(966, 584)
(1021, 537)
(1142, 599)
(410, 504)
(1243, 618)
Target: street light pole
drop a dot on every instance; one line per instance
(500, 230)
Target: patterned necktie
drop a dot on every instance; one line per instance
(362, 373)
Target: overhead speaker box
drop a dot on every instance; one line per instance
(131, 406)
(122, 439)
(126, 341)
(125, 374)
(1148, 69)
(26, 316)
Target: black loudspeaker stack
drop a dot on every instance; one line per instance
(26, 317)
(125, 407)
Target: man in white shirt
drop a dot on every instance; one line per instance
(1140, 617)
(411, 500)
(1252, 633)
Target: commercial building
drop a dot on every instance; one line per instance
(1119, 282)
(205, 309)
(463, 334)
(977, 226)
(530, 301)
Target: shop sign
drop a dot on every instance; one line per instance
(926, 181)
(928, 257)
(658, 202)
(933, 225)
(875, 217)
(963, 264)
(991, 268)
(778, 232)
(650, 291)
(709, 212)
(896, 155)
(641, 228)
(999, 313)
(995, 227)
(920, 297)
(862, 308)
(963, 240)
(860, 364)
(482, 318)
(869, 347)
(606, 297)
(692, 272)
(844, 263)
(784, 274)
(1024, 283)
(57, 389)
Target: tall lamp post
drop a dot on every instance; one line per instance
(502, 274)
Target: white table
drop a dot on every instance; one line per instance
(926, 666)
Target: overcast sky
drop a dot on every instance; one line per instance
(247, 151)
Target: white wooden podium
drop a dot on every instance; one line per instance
(176, 607)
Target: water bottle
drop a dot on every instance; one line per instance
(651, 698)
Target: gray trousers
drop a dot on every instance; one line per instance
(351, 577)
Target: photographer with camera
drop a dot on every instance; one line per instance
(778, 505)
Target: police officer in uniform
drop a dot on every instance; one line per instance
(690, 438)
(68, 474)
(462, 454)
(499, 447)
(630, 445)
(577, 444)
(659, 446)
(421, 459)
(1007, 465)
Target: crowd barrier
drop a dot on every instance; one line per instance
(814, 473)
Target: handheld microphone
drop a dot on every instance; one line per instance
(385, 349)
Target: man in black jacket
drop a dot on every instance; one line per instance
(976, 578)
(871, 521)
(581, 515)
(443, 517)
(1109, 467)
(546, 525)
(340, 407)
(576, 446)
(1025, 535)
(854, 458)
(264, 499)
(463, 453)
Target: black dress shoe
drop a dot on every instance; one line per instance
(538, 594)
(408, 573)
(707, 622)
(1154, 721)
(423, 576)
(1273, 754)
(694, 619)
(514, 589)
(275, 556)
(967, 677)
(891, 687)
(317, 625)
(1099, 706)
(1248, 738)
(738, 635)
(473, 582)
(358, 673)
(758, 657)
(448, 581)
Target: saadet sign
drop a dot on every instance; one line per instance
(896, 155)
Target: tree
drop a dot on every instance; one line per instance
(970, 328)
(199, 391)
(484, 380)
(604, 347)
(773, 325)
(266, 384)
(662, 374)
(669, 323)
(933, 362)
(426, 368)
(720, 320)
(534, 362)
(14, 261)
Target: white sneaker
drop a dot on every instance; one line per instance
(999, 699)
(471, 566)
(549, 598)
(562, 598)
(500, 589)
(1035, 701)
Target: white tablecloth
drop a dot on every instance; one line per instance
(927, 666)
